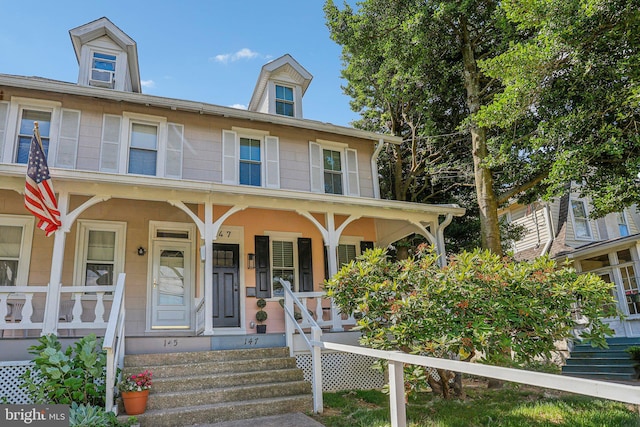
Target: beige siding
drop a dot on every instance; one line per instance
(537, 233)
(202, 147)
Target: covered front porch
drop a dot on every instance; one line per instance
(190, 252)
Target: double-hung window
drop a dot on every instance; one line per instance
(623, 226)
(285, 256)
(250, 162)
(581, 226)
(141, 144)
(28, 118)
(284, 101)
(103, 70)
(100, 252)
(250, 157)
(332, 164)
(143, 149)
(16, 233)
(334, 168)
(59, 130)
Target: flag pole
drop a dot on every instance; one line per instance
(36, 132)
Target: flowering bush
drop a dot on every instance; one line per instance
(136, 382)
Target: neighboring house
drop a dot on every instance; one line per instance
(608, 247)
(202, 206)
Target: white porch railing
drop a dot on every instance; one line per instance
(18, 312)
(322, 314)
(397, 360)
(199, 316)
(113, 344)
(291, 325)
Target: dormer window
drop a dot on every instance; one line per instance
(103, 70)
(284, 101)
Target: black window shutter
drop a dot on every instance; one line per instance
(364, 245)
(305, 265)
(263, 267)
(326, 263)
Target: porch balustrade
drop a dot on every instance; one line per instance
(22, 309)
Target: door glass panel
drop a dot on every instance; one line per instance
(171, 278)
(222, 258)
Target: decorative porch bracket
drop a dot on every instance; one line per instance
(208, 230)
(50, 321)
(438, 239)
(331, 236)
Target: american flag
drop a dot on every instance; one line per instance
(39, 198)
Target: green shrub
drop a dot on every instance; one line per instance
(480, 303)
(634, 351)
(75, 375)
(95, 416)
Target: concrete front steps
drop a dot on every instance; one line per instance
(612, 363)
(212, 386)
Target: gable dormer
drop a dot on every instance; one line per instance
(280, 88)
(108, 58)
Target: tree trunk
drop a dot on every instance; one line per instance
(487, 199)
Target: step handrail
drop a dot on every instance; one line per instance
(113, 343)
(316, 336)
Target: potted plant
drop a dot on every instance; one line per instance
(134, 390)
(261, 316)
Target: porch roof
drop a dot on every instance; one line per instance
(595, 248)
(136, 187)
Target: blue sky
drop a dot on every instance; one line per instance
(208, 51)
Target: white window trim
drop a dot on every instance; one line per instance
(625, 218)
(573, 220)
(333, 146)
(27, 223)
(85, 70)
(125, 135)
(350, 240)
(82, 240)
(297, 97)
(18, 104)
(255, 136)
(283, 236)
(269, 166)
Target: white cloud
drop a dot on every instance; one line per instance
(239, 106)
(244, 53)
(149, 84)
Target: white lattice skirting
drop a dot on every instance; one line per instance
(10, 391)
(343, 371)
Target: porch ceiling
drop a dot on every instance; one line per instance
(159, 189)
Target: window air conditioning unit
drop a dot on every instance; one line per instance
(101, 78)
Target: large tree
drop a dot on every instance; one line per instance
(396, 94)
(410, 61)
(572, 95)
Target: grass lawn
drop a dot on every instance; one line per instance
(514, 405)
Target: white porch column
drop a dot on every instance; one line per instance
(50, 320)
(332, 255)
(209, 235)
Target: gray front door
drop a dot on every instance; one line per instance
(226, 286)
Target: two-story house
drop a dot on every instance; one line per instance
(201, 205)
(608, 247)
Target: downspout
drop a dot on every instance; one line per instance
(440, 239)
(547, 220)
(374, 169)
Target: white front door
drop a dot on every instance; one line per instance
(172, 286)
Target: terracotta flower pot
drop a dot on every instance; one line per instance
(135, 402)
